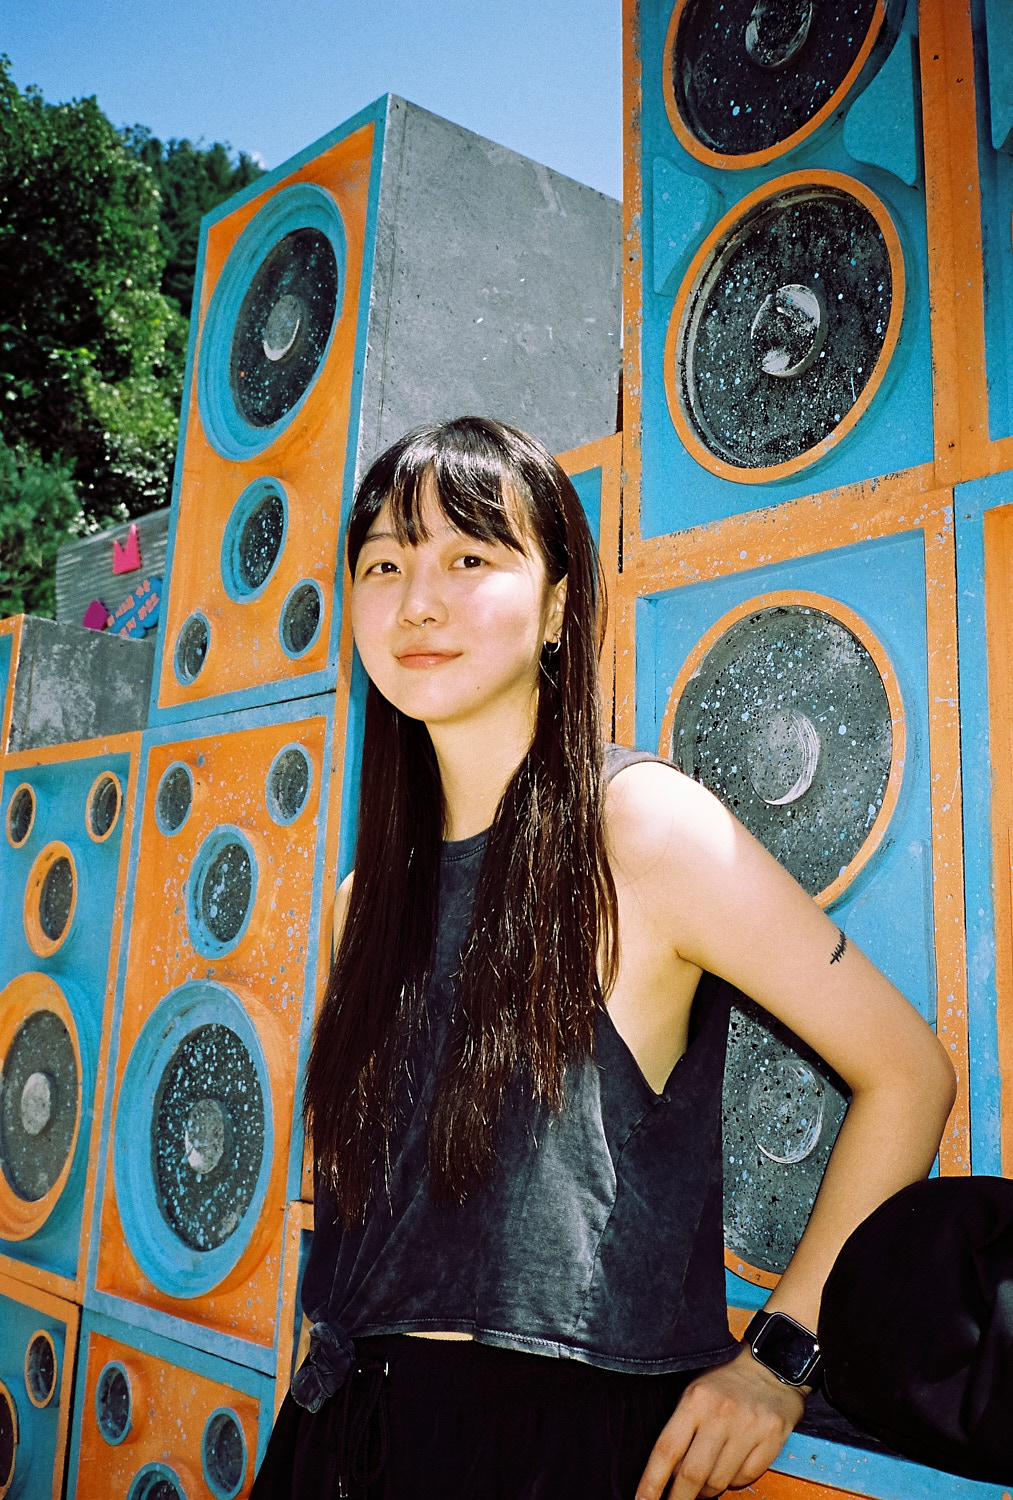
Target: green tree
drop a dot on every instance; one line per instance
(98, 244)
(91, 351)
(191, 181)
(38, 509)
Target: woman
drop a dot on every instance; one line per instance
(514, 1089)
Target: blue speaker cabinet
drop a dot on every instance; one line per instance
(38, 1336)
(777, 300)
(399, 270)
(63, 862)
(802, 663)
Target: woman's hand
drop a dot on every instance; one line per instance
(729, 1426)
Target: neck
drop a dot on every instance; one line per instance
(476, 762)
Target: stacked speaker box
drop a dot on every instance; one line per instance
(806, 383)
(202, 1145)
(36, 1384)
(400, 270)
(157, 1420)
(67, 816)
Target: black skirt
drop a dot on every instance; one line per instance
(427, 1419)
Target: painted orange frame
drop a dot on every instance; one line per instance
(724, 230)
(607, 454)
(24, 995)
(697, 149)
(11, 626)
(858, 628)
(118, 744)
(70, 1316)
(999, 632)
(298, 1220)
(307, 457)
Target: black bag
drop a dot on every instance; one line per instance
(916, 1326)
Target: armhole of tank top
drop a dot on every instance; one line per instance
(618, 757)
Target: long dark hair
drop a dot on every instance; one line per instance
(545, 917)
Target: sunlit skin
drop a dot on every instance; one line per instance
(452, 631)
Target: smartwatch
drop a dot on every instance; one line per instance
(788, 1350)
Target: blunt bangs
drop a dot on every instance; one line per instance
(478, 472)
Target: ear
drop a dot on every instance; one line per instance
(554, 614)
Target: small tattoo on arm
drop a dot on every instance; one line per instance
(838, 952)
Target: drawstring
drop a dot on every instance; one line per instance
(361, 1444)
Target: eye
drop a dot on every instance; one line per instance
(469, 560)
(384, 566)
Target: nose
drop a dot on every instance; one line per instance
(422, 599)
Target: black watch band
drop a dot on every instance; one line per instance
(785, 1348)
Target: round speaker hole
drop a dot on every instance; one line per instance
(223, 1453)
(41, 1368)
(192, 648)
(300, 618)
(20, 815)
(113, 1404)
(288, 784)
(104, 804)
(173, 799)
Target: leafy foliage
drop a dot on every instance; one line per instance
(191, 182)
(38, 509)
(98, 241)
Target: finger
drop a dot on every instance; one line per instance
(673, 1441)
(696, 1473)
(757, 1461)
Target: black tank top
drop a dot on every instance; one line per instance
(597, 1237)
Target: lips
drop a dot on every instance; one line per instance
(416, 660)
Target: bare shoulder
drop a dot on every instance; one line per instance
(655, 814)
(341, 899)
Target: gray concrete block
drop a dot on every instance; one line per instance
(496, 291)
(75, 684)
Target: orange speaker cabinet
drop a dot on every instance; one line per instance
(154, 1418)
(231, 886)
(371, 283)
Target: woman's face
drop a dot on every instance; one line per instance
(452, 629)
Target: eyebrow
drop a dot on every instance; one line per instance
(389, 536)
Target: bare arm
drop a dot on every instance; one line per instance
(341, 897)
(710, 890)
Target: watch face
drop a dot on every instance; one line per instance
(786, 1348)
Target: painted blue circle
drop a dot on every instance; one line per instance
(162, 1254)
(289, 783)
(302, 616)
(223, 1453)
(254, 539)
(114, 1403)
(192, 646)
(174, 798)
(156, 1482)
(302, 207)
(221, 891)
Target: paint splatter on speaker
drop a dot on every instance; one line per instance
(787, 720)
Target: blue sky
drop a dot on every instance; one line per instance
(269, 76)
